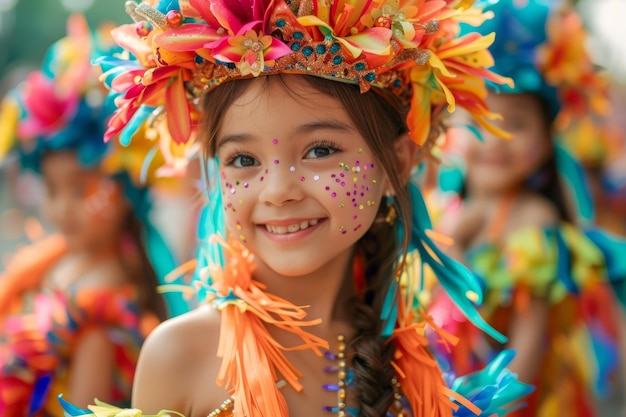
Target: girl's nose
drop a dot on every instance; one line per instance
(281, 186)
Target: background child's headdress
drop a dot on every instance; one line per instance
(63, 106)
(542, 46)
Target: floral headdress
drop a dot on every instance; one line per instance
(180, 49)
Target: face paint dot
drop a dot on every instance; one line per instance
(292, 169)
(372, 165)
(343, 184)
(274, 141)
(327, 188)
(356, 228)
(373, 181)
(355, 217)
(275, 161)
(242, 238)
(332, 176)
(238, 226)
(261, 179)
(266, 171)
(333, 195)
(233, 191)
(245, 185)
(240, 201)
(301, 178)
(316, 177)
(342, 229)
(360, 206)
(360, 150)
(337, 180)
(354, 179)
(342, 175)
(341, 205)
(236, 182)
(341, 164)
(348, 193)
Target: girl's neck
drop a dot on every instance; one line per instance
(327, 292)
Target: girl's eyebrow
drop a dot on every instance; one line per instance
(306, 127)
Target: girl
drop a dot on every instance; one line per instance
(312, 213)
(75, 307)
(541, 275)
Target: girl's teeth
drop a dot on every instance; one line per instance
(292, 228)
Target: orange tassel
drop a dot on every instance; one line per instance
(418, 371)
(27, 269)
(252, 361)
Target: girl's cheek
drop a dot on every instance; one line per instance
(353, 189)
(237, 194)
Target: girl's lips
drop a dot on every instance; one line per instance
(291, 230)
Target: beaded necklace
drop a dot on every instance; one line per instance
(345, 380)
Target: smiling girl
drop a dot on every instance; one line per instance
(311, 116)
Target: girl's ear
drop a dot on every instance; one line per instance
(405, 150)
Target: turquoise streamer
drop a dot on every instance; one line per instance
(456, 279)
(573, 175)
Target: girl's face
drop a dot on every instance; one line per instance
(85, 206)
(498, 165)
(300, 185)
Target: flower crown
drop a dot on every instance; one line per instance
(182, 48)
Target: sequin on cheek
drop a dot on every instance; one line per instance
(292, 169)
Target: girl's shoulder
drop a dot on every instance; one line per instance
(185, 345)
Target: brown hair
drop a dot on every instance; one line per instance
(140, 269)
(380, 120)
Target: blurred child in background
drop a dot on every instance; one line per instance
(516, 225)
(76, 306)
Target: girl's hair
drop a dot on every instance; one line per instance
(141, 272)
(380, 120)
(545, 180)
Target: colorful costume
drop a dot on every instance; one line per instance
(55, 109)
(409, 49)
(37, 345)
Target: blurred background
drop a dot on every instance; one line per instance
(28, 27)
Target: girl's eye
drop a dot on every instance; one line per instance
(320, 151)
(243, 161)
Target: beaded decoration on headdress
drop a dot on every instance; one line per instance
(410, 48)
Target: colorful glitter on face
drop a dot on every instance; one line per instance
(359, 197)
(292, 169)
(276, 161)
(274, 141)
